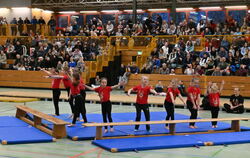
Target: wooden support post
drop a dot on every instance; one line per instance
(172, 128)
(37, 121)
(98, 135)
(20, 113)
(235, 125)
(59, 131)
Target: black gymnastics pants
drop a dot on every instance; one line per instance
(194, 112)
(56, 96)
(79, 108)
(70, 100)
(106, 112)
(170, 110)
(214, 113)
(145, 109)
(238, 110)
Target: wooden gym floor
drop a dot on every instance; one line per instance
(66, 148)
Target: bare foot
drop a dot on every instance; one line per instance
(111, 129)
(71, 125)
(105, 131)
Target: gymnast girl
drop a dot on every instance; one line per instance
(143, 90)
(193, 100)
(55, 87)
(104, 94)
(214, 99)
(76, 97)
(169, 103)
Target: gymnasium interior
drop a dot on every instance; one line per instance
(172, 44)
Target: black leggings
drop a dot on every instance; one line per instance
(79, 108)
(70, 100)
(145, 109)
(106, 112)
(238, 110)
(194, 112)
(214, 113)
(170, 110)
(56, 96)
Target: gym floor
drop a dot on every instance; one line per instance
(84, 149)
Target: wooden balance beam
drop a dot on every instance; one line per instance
(58, 130)
(235, 124)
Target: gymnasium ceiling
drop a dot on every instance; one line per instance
(79, 5)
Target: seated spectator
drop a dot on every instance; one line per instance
(18, 62)
(224, 67)
(204, 60)
(244, 49)
(222, 53)
(164, 69)
(159, 87)
(199, 70)
(242, 71)
(3, 59)
(59, 66)
(155, 70)
(217, 72)
(146, 69)
(172, 60)
(81, 65)
(189, 70)
(156, 62)
(236, 103)
(172, 72)
(182, 88)
(134, 68)
(72, 63)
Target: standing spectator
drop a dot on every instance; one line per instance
(13, 27)
(110, 27)
(52, 24)
(20, 25)
(217, 72)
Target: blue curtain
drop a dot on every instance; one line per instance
(62, 21)
(180, 16)
(197, 16)
(217, 16)
(165, 16)
(89, 17)
(108, 17)
(238, 15)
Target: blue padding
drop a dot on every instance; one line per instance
(147, 143)
(164, 142)
(10, 121)
(20, 135)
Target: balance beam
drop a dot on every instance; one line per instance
(59, 129)
(235, 124)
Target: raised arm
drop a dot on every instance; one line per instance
(222, 85)
(55, 76)
(118, 85)
(89, 88)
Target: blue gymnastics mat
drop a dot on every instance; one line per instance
(86, 133)
(15, 131)
(175, 141)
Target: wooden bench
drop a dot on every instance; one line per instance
(17, 100)
(235, 125)
(58, 130)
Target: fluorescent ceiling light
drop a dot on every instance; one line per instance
(157, 9)
(184, 9)
(236, 7)
(48, 11)
(36, 9)
(19, 8)
(88, 11)
(2, 9)
(138, 10)
(205, 8)
(67, 12)
(108, 11)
